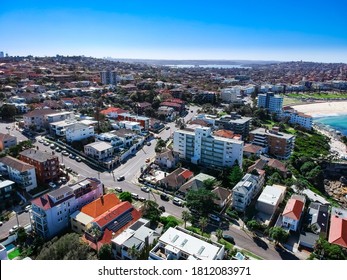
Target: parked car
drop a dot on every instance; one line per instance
(148, 143)
(72, 156)
(52, 146)
(145, 189)
(118, 189)
(165, 197)
(46, 143)
(52, 185)
(134, 195)
(63, 179)
(68, 169)
(40, 140)
(167, 128)
(229, 238)
(141, 198)
(148, 160)
(177, 202)
(214, 217)
(13, 229)
(121, 178)
(162, 208)
(1, 223)
(78, 159)
(57, 149)
(65, 153)
(27, 208)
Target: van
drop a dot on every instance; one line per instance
(135, 196)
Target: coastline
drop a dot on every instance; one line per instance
(327, 109)
(324, 109)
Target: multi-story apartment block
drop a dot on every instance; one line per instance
(36, 119)
(51, 212)
(144, 121)
(236, 123)
(272, 102)
(180, 244)
(201, 147)
(108, 77)
(7, 193)
(78, 131)
(46, 164)
(245, 190)
(7, 141)
(295, 117)
(229, 95)
(60, 116)
(99, 150)
(277, 143)
(18, 171)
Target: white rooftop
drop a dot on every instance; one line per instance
(271, 194)
(100, 146)
(81, 217)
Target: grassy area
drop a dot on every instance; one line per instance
(13, 254)
(227, 244)
(290, 101)
(316, 95)
(198, 231)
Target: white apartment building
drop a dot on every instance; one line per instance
(245, 190)
(201, 147)
(60, 116)
(18, 171)
(272, 102)
(78, 131)
(99, 150)
(135, 126)
(59, 128)
(51, 212)
(229, 95)
(297, 118)
(180, 244)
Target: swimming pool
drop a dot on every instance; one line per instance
(10, 246)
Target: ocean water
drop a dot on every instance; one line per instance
(336, 122)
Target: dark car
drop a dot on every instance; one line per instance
(165, 197)
(162, 208)
(229, 238)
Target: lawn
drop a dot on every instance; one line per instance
(13, 254)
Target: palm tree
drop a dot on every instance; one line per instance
(133, 252)
(186, 216)
(203, 224)
(219, 234)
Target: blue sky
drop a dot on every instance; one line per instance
(262, 30)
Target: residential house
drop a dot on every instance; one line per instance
(133, 126)
(138, 236)
(279, 144)
(223, 197)
(78, 131)
(315, 225)
(180, 244)
(167, 112)
(60, 116)
(195, 183)
(142, 106)
(7, 141)
(252, 150)
(144, 121)
(279, 166)
(247, 189)
(51, 211)
(176, 179)
(268, 202)
(112, 112)
(293, 212)
(46, 164)
(167, 160)
(338, 227)
(80, 219)
(18, 171)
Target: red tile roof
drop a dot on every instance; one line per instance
(338, 231)
(113, 110)
(112, 213)
(293, 209)
(170, 104)
(187, 174)
(250, 148)
(101, 205)
(226, 134)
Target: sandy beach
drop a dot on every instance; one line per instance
(323, 109)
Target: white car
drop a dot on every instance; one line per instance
(13, 229)
(1, 223)
(52, 185)
(145, 189)
(177, 202)
(118, 189)
(27, 208)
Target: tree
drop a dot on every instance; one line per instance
(151, 211)
(209, 183)
(201, 200)
(326, 251)
(67, 247)
(169, 221)
(21, 236)
(126, 196)
(253, 225)
(219, 234)
(203, 224)
(105, 252)
(278, 234)
(235, 175)
(186, 216)
(8, 112)
(133, 252)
